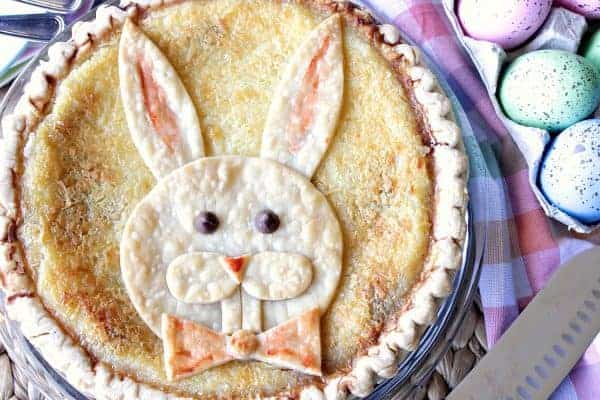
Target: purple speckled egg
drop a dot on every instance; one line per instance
(509, 23)
(570, 172)
(587, 8)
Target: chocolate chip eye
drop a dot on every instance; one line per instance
(266, 221)
(206, 222)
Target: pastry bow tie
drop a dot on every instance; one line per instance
(190, 348)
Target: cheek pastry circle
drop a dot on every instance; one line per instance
(199, 278)
(267, 221)
(206, 222)
(277, 276)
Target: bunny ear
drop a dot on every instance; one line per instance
(160, 115)
(306, 105)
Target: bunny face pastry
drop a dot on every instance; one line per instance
(229, 247)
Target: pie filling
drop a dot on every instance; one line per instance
(228, 198)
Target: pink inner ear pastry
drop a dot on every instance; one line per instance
(163, 118)
(304, 102)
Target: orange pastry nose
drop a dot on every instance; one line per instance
(236, 266)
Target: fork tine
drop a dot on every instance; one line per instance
(57, 6)
(35, 27)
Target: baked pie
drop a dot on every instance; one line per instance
(230, 199)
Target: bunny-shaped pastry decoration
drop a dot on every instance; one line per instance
(230, 257)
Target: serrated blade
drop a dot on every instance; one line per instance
(539, 350)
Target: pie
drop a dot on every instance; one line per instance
(230, 199)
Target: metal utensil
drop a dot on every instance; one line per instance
(34, 27)
(57, 6)
(545, 342)
(39, 27)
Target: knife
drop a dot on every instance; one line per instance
(541, 347)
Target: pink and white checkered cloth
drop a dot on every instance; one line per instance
(524, 247)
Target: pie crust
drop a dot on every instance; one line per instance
(400, 333)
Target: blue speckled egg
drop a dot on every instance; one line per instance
(570, 173)
(550, 89)
(509, 23)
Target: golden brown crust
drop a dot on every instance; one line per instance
(446, 243)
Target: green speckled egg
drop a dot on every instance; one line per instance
(591, 49)
(550, 89)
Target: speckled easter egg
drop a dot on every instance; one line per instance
(550, 89)
(510, 23)
(588, 8)
(591, 49)
(570, 173)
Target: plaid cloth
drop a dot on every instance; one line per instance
(524, 247)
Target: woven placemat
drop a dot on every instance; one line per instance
(467, 348)
(13, 383)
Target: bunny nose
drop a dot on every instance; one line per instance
(209, 277)
(235, 267)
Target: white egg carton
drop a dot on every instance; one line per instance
(563, 30)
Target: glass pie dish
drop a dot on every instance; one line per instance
(412, 369)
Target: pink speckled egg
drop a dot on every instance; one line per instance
(588, 8)
(509, 23)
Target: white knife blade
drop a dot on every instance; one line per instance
(547, 339)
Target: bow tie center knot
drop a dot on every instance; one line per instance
(243, 343)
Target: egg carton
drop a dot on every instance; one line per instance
(563, 30)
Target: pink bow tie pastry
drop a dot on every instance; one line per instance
(231, 257)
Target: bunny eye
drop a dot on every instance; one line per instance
(266, 221)
(206, 222)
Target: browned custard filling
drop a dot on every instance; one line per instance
(83, 176)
